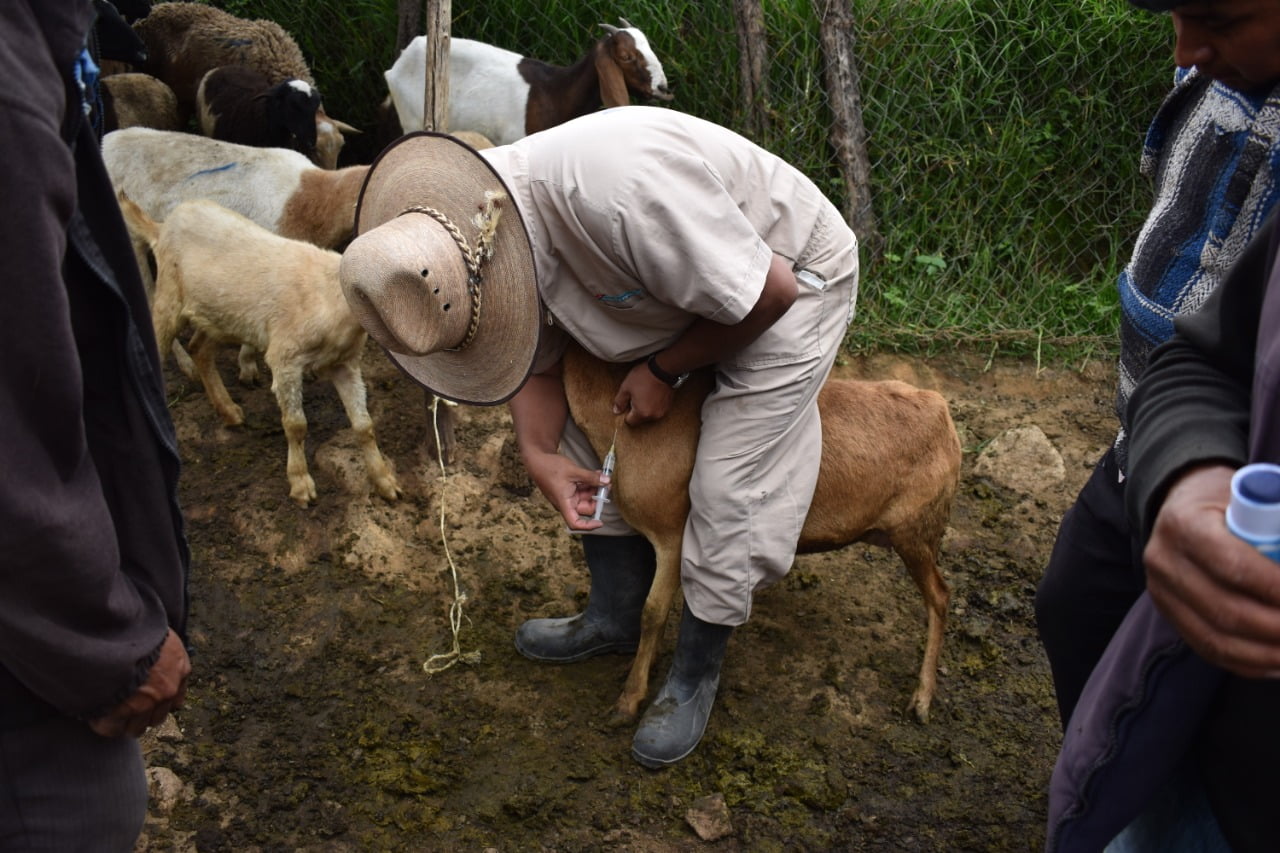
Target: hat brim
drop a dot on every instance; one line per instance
(435, 170)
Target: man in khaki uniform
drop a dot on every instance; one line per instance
(645, 235)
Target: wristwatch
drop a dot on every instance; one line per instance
(668, 378)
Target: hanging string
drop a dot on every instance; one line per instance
(441, 662)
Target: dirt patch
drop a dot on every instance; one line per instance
(312, 725)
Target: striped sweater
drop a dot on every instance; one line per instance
(1213, 155)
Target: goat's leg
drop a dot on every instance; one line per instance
(183, 359)
(653, 621)
(349, 381)
(203, 351)
(248, 361)
(286, 382)
(920, 554)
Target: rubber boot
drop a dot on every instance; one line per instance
(622, 569)
(674, 723)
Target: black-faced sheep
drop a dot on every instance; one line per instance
(235, 282)
(236, 103)
(506, 96)
(185, 41)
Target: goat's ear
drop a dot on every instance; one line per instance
(613, 86)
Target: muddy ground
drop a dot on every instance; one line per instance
(312, 725)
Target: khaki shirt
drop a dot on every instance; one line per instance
(643, 219)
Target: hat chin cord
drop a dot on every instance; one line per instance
(475, 256)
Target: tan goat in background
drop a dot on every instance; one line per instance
(237, 283)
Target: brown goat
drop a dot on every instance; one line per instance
(890, 469)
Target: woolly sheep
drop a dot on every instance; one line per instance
(187, 40)
(506, 96)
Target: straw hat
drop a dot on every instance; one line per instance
(441, 271)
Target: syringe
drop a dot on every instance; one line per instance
(602, 493)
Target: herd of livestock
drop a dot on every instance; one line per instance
(226, 167)
(217, 140)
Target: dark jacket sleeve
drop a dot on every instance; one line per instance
(92, 555)
(1193, 403)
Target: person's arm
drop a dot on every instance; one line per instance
(539, 412)
(1189, 432)
(644, 397)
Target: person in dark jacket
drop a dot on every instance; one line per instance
(1174, 745)
(1213, 154)
(93, 557)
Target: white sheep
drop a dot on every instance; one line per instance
(281, 190)
(235, 282)
(506, 96)
(185, 41)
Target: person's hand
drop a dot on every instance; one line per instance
(643, 396)
(570, 488)
(164, 690)
(1217, 590)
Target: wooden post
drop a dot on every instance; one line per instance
(752, 50)
(408, 22)
(435, 103)
(848, 133)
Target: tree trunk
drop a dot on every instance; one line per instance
(408, 22)
(753, 48)
(848, 133)
(435, 104)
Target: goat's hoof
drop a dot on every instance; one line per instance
(625, 712)
(303, 492)
(389, 489)
(919, 708)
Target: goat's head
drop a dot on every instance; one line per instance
(635, 68)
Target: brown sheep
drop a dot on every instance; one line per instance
(890, 470)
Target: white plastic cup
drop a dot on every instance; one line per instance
(1254, 511)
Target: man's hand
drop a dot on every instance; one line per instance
(165, 690)
(643, 396)
(571, 489)
(1219, 592)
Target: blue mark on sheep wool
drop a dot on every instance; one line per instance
(214, 170)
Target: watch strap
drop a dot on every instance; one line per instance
(675, 381)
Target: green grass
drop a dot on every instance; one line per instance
(1004, 138)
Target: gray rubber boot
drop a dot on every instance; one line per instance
(674, 723)
(622, 570)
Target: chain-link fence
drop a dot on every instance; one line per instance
(1002, 136)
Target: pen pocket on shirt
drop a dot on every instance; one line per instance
(811, 279)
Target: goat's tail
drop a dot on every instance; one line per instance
(137, 221)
